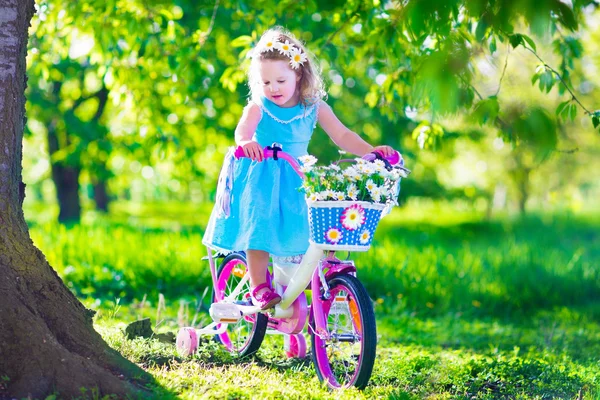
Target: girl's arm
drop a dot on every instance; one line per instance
(245, 130)
(345, 138)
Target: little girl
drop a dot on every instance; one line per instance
(259, 208)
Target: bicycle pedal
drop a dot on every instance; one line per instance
(225, 313)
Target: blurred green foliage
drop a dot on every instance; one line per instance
(145, 96)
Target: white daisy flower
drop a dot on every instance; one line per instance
(306, 168)
(352, 191)
(370, 169)
(351, 173)
(361, 169)
(376, 194)
(371, 185)
(379, 163)
(267, 45)
(364, 237)
(314, 197)
(297, 57)
(308, 160)
(353, 217)
(340, 196)
(284, 48)
(342, 152)
(329, 194)
(333, 235)
(335, 167)
(340, 178)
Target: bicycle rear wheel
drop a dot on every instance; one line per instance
(245, 336)
(345, 356)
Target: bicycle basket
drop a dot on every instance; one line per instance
(343, 225)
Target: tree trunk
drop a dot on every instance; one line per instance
(101, 196)
(101, 174)
(66, 181)
(523, 187)
(47, 341)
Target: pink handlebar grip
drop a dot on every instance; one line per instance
(239, 152)
(395, 158)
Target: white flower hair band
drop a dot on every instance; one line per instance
(296, 55)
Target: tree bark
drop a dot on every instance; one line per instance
(66, 181)
(101, 196)
(47, 341)
(65, 176)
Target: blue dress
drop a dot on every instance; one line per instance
(259, 205)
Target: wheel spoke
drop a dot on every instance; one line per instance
(247, 333)
(344, 357)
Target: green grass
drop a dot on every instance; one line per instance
(466, 308)
(553, 355)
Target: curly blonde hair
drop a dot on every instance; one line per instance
(310, 86)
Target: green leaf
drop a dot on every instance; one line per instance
(572, 111)
(566, 15)
(596, 121)
(241, 41)
(530, 42)
(515, 39)
(167, 13)
(481, 30)
(486, 110)
(561, 107)
(493, 45)
(546, 81)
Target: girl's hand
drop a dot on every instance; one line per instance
(254, 151)
(385, 151)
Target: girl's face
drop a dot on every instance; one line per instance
(279, 82)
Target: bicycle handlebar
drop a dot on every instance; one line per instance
(275, 152)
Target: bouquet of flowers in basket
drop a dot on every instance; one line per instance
(346, 202)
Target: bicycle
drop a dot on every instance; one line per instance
(341, 319)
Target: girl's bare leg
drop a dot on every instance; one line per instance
(257, 266)
(257, 269)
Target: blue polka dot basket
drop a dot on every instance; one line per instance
(343, 225)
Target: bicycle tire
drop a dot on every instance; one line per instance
(359, 321)
(245, 337)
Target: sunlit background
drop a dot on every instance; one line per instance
(139, 103)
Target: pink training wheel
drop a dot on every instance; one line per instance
(294, 345)
(187, 341)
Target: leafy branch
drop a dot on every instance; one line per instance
(544, 74)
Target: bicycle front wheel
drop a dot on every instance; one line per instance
(344, 356)
(245, 336)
